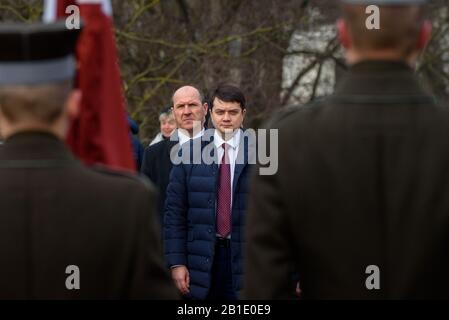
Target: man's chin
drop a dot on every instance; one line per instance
(228, 132)
(187, 126)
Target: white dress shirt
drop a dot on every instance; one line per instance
(184, 137)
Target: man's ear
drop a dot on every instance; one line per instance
(73, 103)
(343, 34)
(425, 34)
(243, 117)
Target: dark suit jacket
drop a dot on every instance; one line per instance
(156, 165)
(54, 213)
(363, 180)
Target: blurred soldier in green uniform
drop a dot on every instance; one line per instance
(66, 231)
(360, 203)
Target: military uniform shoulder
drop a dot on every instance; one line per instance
(290, 111)
(124, 176)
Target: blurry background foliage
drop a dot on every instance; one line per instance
(279, 52)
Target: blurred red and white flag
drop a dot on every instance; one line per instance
(56, 9)
(100, 135)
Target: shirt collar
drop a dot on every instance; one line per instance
(233, 142)
(183, 138)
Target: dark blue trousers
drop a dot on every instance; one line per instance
(221, 284)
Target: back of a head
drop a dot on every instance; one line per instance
(399, 30)
(37, 67)
(40, 103)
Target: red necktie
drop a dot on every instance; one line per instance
(224, 196)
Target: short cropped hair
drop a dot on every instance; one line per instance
(399, 27)
(42, 103)
(200, 95)
(229, 93)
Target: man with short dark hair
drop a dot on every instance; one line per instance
(359, 204)
(206, 206)
(66, 231)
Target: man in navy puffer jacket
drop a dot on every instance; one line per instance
(207, 203)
